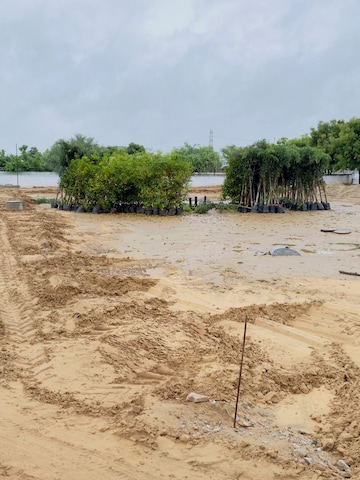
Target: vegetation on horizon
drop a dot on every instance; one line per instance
(27, 160)
(340, 140)
(201, 159)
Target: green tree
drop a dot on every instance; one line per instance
(64, 151)
(77, 182)
(326, 136)
(133, 148)
(348, 145)
(3, 159)
(26, 161)
(201, 159)
(165, 180)
(340, 140)
(265, 174)
(140, 179)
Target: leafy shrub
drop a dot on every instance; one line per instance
(151, 180)
(204, 207)
(229, 207)
(43, 200)
(186, 208)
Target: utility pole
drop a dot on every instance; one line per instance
(211, 139)
(17, 169)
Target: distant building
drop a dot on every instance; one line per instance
(347, 177)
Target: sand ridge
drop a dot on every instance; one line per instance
(107, 322)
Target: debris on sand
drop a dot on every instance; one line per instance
(196, 398)
(283, 251)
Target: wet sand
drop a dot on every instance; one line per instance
(108, 322)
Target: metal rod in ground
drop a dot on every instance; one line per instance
(240, 372)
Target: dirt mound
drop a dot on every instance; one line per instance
(338, 192)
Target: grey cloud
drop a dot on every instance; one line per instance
(136, 71)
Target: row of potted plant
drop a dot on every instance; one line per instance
(123, 208)
(152, 182)
(280, 207)
(263, 174)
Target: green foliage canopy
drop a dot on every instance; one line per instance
(201, 159)
(25, 161)
(64, 151)
(265, 173)
(133, 148)
(147, 179)
(340, 140)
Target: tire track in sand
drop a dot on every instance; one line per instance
(43, 442)
(62, 452)
(16, 315)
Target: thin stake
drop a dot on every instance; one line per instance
(17, 168)
(240, 372)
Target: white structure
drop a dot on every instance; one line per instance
(14, 205)
(347, 177)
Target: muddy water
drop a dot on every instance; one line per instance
(229, 245)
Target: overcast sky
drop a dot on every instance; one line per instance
(165, 72)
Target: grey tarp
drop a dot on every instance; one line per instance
(283, 251)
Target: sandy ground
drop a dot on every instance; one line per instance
(108, 322)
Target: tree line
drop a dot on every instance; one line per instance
(58, 157)
(340, 140)
(27, 160)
